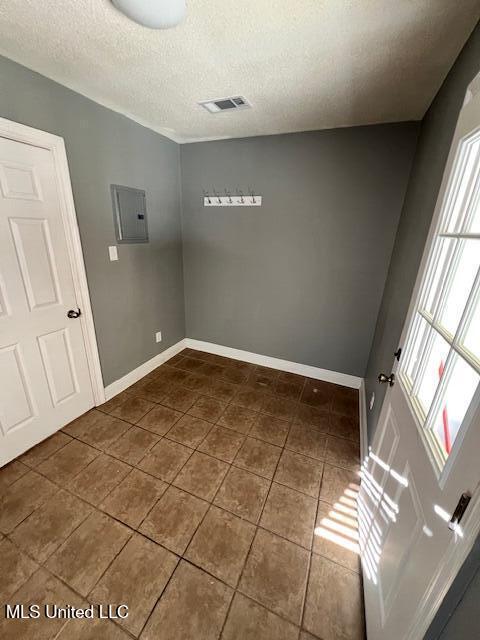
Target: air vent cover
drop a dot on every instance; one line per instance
(225, 104)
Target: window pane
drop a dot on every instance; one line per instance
(417, 342)
(458, 396)
(461, 285)
(468, 170)
(472, 337)
(435, 364)
(437, 273)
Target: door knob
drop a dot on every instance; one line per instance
(390, 379)
(74, 314)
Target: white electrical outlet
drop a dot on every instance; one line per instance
(113, 253)
(372, 401)
(158, 336)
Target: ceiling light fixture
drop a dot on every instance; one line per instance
(154, 14)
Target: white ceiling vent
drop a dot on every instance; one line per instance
(225, 104)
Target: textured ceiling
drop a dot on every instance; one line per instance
(303, 64)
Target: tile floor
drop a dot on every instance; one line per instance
(214, 497)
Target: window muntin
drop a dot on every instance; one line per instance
(440, 370)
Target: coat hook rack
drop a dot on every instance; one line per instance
(214, 199)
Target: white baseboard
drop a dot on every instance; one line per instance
(306, 370)
(362, 409)
(130, 378)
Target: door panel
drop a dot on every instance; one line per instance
(45, 379)
(15, 396)
(34, 251)
(424, 455)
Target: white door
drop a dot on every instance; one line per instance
(426, 451)
(44, 374)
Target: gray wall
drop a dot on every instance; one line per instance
(143, 291)
(434, 142)
(300, 278)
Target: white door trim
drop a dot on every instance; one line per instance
(56, 145)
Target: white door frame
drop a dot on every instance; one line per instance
(456, 554)
(56, 145)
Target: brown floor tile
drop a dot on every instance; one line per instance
(15, 569)
(313, 417)
(165, 460)
(345, 401)
(222, 443)
(194, 605)
(270, 429)
(290, 514)
(249, 399)
(134, 497)
(304, 635)
(189, 431)
(263, 378)
(207, 408)
(307, 441)
(172, 375)
(197, 383)
(237, 418)
(180, 398)
(333, 607)
(97, 480)
(104, 431)
(22, 497)
(317, 394)
(113, 403)
(259, 457)
(41, 588)
(34, 456)
(95, 629)
(243, 493)
(336, 481)
(289, 385)
(50, 525)
(67, 462)
(133, 445)
(155, 391)
(336, 536)
(159, 420)
(135, 388)
(300, 473)
(343, 453)
(10, 473)
(234, 376)
(275, 575)
(137, 576)
(202, 475)
(174, 519)
(279, 408)
(85, 555)
(221, 390)
(190, 364)
(221, 544)
(132, 409)
(247, 620)
(85, 421)
(344, 427)
(211, 369)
